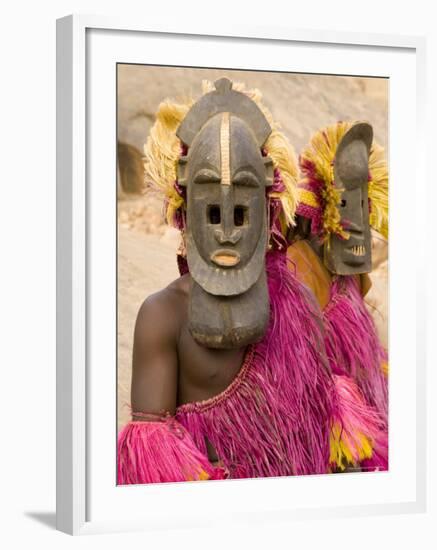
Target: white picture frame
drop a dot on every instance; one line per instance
(77, 407)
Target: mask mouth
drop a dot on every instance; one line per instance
(355, 255)
(358, 250)
(225, 258)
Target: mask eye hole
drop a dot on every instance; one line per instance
(214, 214)
(362, 203)
(240, 216)
(343, 203)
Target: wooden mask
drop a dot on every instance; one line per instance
(351, 174)
(226, 177)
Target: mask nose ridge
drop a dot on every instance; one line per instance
(227, 233)
(353, 227)
(223, 237)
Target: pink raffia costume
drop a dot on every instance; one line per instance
(287, 412)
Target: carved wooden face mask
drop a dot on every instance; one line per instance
(226, 236)
(351, 169)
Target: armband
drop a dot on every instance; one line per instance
(159, 452)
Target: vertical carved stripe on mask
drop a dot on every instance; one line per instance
(224, 150)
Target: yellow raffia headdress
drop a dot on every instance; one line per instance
(163, 149)
(318, 196)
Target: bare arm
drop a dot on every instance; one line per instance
(154, 361)
(158, 452)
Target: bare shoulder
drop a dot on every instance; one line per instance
(162, 313)
(154, 354)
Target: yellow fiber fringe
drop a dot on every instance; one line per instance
(378, 190)
(347, 450)
(321, 153)
(202, 476)
(162, 151)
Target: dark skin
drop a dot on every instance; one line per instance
(169, 368)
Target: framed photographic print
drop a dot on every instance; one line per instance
(231, 257)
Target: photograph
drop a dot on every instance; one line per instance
(252, 274)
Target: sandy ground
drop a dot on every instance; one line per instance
(146, 247)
